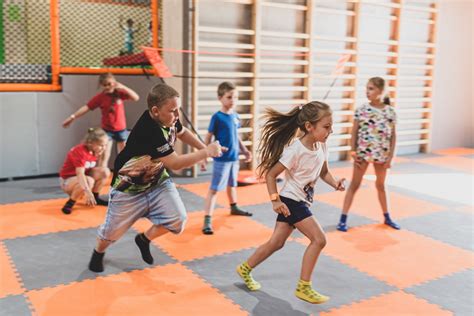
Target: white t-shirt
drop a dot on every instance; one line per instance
(303, 167)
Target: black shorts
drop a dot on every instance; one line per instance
(299, 210)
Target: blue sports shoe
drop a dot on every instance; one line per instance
(342, 227)
(392, 224)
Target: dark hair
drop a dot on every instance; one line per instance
(159, 94)
(225, 87)
(380, 83)
(279, 130)
(94, 134)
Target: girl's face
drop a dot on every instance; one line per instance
(168, 113)
(372, 92)
(108, 85)
(320, 131)
(98, 147)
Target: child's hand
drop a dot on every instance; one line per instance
(340, 185)
(248, 156)
(203, 165)
(90, 199)
(281, 208)
(388, 163)
(68, 121)
(214, 149)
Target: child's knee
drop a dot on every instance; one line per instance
(380, 186)
(177, 227)
(319, 241)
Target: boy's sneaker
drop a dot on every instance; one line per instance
(342, 227)
(244, 272)
(308, 294)
(235, 210)
(392, 224)
(207, 229)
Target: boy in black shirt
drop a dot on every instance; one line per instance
(141, 186)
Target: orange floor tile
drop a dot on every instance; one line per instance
(366, 203)
(231, 233)
(248, 195)
(451, 162)
(392, 304)
(411, 258)
(166, 290)
(9, 282)
(41, 217)
(458, 151)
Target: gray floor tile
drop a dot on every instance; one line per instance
(60, 258)
(454, 292)
(452, 227)
(14, 306)
(279, 275)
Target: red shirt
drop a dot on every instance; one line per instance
(111, 106)
(78, 156)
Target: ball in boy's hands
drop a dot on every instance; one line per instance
(214, 149)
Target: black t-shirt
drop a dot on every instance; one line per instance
(137, 168)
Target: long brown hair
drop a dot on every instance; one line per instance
(379, 82)
(279, 129)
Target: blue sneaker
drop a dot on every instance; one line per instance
(342, 227)
(392, 224)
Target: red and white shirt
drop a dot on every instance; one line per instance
(78, 156)
(111, 106)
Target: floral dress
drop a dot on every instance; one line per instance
(375, 132)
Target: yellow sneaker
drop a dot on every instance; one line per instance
(244, 272)
(305, 291)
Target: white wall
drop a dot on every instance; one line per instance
(453, 98)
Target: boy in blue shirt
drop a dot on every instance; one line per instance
(223, 127)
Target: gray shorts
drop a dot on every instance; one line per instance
(161, 204)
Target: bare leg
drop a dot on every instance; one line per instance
(232, 194)
(209, 210)
(120, 146)
(104, 161)
(311, 229)
(357, 174)
(383, 195)
(280, 234)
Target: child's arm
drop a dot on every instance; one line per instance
(245, 151)
(391, 154)
(354, 135)
(270, 178)
(176, 162)
(81, 178)
(132, 94)
(327, 177)
(208, 138)
(82, 110)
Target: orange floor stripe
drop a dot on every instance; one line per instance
(451, 162)
(400, 258)
(248, 195)
(166, 290)
(231, 233)
(366, 203)
(9, 283)
(457, 151)
(392, 304)
(41, 217)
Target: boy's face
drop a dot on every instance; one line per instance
(229, 99)
(168, 113)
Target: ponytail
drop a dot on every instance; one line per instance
(279, 129)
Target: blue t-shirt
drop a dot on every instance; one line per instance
(224, 127)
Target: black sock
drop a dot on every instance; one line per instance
(99, 200)
(96, 264)
(68, 206)
(143, 244)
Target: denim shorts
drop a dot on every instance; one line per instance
(299, 210)
(224, 173)
(161, 204)
(119, 136)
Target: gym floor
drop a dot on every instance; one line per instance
(426, 268)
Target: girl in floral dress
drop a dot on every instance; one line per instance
(373, 141)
